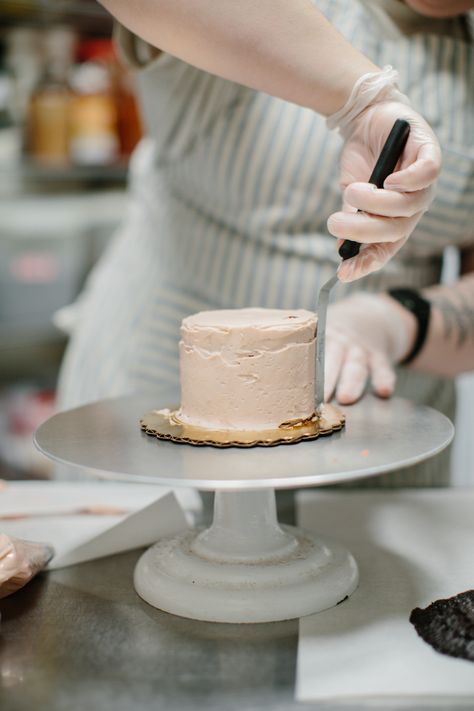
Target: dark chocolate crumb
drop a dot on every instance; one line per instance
(448, 625)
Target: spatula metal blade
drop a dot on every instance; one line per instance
(322, 310)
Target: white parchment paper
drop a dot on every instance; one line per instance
(152, 512)
(412, 547)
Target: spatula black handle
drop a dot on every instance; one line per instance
(385, 165)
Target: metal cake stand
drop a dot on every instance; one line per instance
(245, 567)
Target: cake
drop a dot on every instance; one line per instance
(247, 369)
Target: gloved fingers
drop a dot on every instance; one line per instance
(382, 374)
(20, 561)
(370, 258)
(353, 375)
(368, 229)
(421, 173)
(389, 203)
(335, 354)
(347, 207)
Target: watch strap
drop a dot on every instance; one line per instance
(421, 309)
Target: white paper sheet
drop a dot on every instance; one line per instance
(412, 547)
(154, 512)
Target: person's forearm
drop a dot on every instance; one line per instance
(282, 47)
(449, 347)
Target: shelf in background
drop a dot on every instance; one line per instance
(24, 336)
(116, 173)
(82, 13)
(34, 355)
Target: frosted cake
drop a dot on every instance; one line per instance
(247, 369)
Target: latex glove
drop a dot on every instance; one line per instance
(19, 562)
(366, 335)
(389, 216)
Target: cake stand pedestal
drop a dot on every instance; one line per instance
(245, 567)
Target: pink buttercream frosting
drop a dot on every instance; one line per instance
(247, 369)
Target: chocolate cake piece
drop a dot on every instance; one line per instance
(448, 625)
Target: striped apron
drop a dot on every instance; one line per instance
(228, 200)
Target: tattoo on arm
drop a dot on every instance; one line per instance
(458, 316)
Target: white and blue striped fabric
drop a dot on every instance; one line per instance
(229, 197)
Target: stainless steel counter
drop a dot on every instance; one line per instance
(80, 639)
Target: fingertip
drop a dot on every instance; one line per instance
(384, 391)
(383, 376)
(355, 189)
(346, 397)
(333, 222)
(351, 385)
(341, 224)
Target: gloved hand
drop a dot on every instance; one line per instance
(389, 216)
(366, 335)
(19, 562)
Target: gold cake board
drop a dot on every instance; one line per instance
(165, 424)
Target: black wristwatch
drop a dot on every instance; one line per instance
(421, 310)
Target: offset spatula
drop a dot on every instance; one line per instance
(385, 165)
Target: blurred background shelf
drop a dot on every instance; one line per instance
(64, 178)
(83, 14)
(68, 124)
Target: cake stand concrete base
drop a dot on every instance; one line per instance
(245, 567)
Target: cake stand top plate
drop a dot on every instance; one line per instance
(379, 436)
